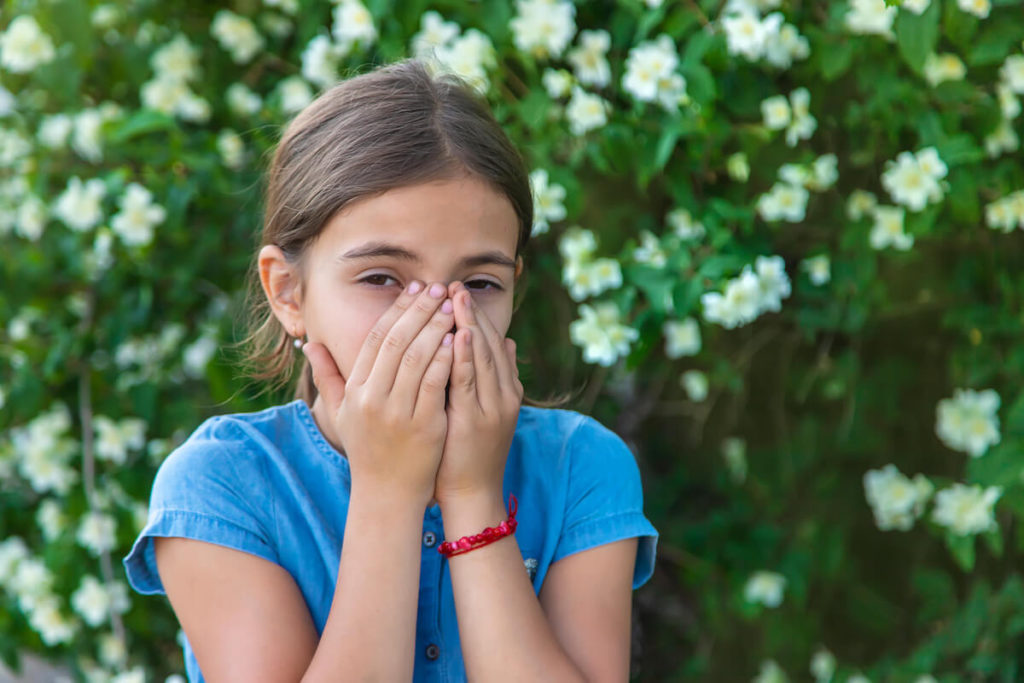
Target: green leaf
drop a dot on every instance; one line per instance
(835, 59)
(141, 122)
(917, 35)
(996, 42)
(994, 541)
(962, 549)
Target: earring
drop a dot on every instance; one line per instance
(297, 343)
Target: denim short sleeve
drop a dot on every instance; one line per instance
(605, 498)
(211, 488)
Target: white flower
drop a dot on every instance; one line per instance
(592, 277)
(871, 17)
(1012, 75)
(926, 678)
(548, 201)
(969, 422)
(7, 102)
(557, 82)
(24, 46)
(765, 588)
(916, 6)
(86, 136)
(43, 451)
(353, 23)
(469, 56)
(286, 6)
(683, 225)
(783, 202)
(114, 654)
(858, 678)
(823, 665)
(651, 73)
(136, 675)
(888, 229)
(1002, 139)
(803, 124)
(576, 244)
(54, 131)
(320, 61)
(434, 32)
(772, 281)
(748, 35)
(944, 67)
(543, 28)
(31, 218)
(818, 269)
(231, 149)
(734, 452)
(295, 94)
(785, 46)
(895, 500)
(243, 101)
(97, 532)
(91, 600)
(1006, 213)
(100, 258)
(824, 173)
(967, 510)
(50, 519)
(929, 161)
(695, 383)
(860, 204)
(682, 337)
(49, 623)
(237, 35)
(589, 59)
(775, 111)
(770, 672)
(911, 182)
(586, 111)
(12, 551)
(172, 96)
(197, 355)
(601, 334)
(138, 216)
(178, 60)
(115, 439)
(979, 8)
(79, 205)
(31, 582)
(738, 167)
(650, 251)
(739, 304)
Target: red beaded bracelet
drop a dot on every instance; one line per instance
(488, 535)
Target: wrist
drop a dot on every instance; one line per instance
(468, 514)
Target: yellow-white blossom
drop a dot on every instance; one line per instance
(944, 67)
(871, 17)
(242, 101)
(1003, 139)
(887, 230)
(231, 149)
(803, 124)
(24, 46)
(1006, 213)
(683, 225)
(590, 278)
(734, 452)
(651, 74)
(586, 111)
(775, 112)
(746, 34)
(785, 46)
(286, 6)
(695, 383)
(197, 355)
(114, 653)
(31, 218)
(353, 23)
(50, 623)
(543, 28)
(969, 421)
(115, 439)
(913, 180)
(783, 202)
(682, 337)
(738, 305)
(772, 282)
(237, 35)
(818, 269)
(557, 83)
(469, 56)
(765, 588)
(134, 223)
(79, 206)
(295, 94)
(916, 6)
(31, 582)
(770, 672)
(861, 203)
(599, 330)
(50, 519)
(548, 199)
(896, 500)
(178, 60)
(54, 131)
(1011, 73)
(979, 8)
(320, 61)
(967, 510)
(738, 167)
(12, 551)
(589, 60)
(43, 451)
(97, 532)
(823, 665)
(434, 32)
(650, 251)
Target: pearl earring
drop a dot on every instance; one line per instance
(297, 343)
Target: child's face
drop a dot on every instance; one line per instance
(440, 224)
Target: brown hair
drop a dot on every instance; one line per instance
(395, 126)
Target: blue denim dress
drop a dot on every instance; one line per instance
(270, 484)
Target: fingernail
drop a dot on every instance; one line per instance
(415, 286)
(447, 341)
(437, 290)
(447, 306)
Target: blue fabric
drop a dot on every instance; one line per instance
(268, 483)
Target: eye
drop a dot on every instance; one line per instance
(377, 280)
(472, 285)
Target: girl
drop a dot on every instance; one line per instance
(360, 531)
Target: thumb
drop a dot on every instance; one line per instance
(326, 376)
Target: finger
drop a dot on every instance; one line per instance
(510, 346)
(403, 331)
(492, 367)
(435, 378)
(375, 337)
(463, 388)
(418, 355)
(326, 376)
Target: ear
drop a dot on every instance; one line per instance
(282, 283)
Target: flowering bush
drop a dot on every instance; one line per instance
(778, 241)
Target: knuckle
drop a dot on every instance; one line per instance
(376, 336)
(411, 358)
(393, 342)
(426, 304)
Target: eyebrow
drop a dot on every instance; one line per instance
(383, 249)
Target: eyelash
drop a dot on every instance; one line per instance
(492, 285)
